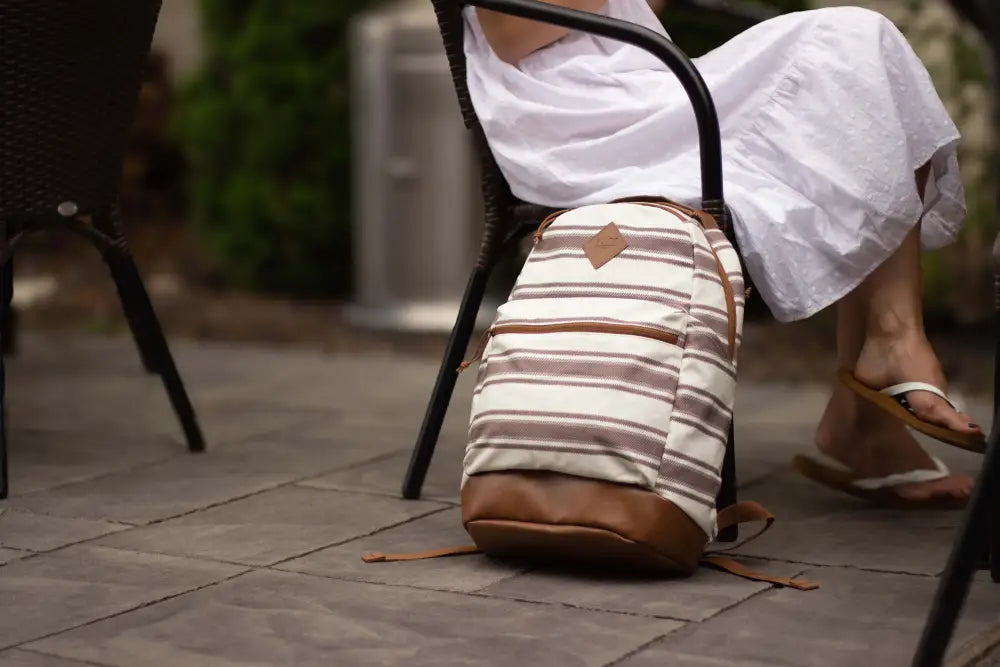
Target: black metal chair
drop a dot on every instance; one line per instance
(508, 220)
(978, 543)
(70, 72)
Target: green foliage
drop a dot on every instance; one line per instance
(266, 130)
(697, 31)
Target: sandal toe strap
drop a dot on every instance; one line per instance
(899, 391)
(899, 479)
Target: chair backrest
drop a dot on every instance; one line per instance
(70, 72)
(498, 200)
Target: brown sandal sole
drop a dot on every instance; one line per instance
(840, 480)
(966, 441)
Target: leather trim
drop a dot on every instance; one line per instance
(727, 289)
(535, 503)
(546, 222)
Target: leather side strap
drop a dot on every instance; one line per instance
(546, 222)
(733, 567)
(378, 557)
(740, 513)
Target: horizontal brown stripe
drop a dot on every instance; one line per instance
(706, 395)
(598, 294)
(662, 396)
(681, 456)
(681, 491)
(563, 449)
(696, 480)
(602, 435)
(701, 411)
(606, 286)
(610, 356)
(699, 426)
(536, 414)
(669, 260)
(657, 246)
(612, 370)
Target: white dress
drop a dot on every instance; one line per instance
(825, 117)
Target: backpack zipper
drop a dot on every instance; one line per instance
(570, 327)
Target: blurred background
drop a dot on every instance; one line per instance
(299, 174)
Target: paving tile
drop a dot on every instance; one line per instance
(272, 526)
(885, 540)
(272, 618)
(10, 555)
(78, 584)
(194, 481)
(41, 460)
(368, 403)
(855, 618)
(386, 475)
(38, 532)
(443, 529)
(690, 599)
(18, 658)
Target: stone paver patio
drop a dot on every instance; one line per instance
(118, 548)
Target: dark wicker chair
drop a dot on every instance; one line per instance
(70, 72)
(508, 220)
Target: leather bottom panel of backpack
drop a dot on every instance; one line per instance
(551, 517)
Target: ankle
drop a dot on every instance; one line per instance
(890, 327)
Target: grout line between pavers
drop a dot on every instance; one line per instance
(856, 568)
(266, 566)
(430, 512)
(133, 527)
(637, 650)
(60, 657)
(137, 607)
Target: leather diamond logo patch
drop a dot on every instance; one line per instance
(605, 246)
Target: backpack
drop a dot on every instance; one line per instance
(604, 397)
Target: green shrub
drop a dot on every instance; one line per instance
(266, 130)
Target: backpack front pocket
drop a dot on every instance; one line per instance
(591, 399)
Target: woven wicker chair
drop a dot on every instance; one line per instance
(70, 72)
(508, 220)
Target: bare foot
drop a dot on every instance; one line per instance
(873, 444)
(890, 360)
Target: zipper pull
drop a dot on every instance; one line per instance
(480, 351)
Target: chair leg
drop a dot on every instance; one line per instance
(130, 290)
(6, 289)
(445, 385)
(954, 585)
(727, 492)
(146, 330)
(8, 334)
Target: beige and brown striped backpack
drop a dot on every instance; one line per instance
(605, 394)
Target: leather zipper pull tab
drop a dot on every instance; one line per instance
(480, 351)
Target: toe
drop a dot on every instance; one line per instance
(936, 410)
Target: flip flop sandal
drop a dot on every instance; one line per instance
(878, 491)
(893, 401)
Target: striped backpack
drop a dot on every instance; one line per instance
(605, 392)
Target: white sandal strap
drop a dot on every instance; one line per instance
(898, 390)
(899, 479)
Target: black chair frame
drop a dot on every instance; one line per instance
(70, 74)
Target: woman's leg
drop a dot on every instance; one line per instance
(880, 335)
